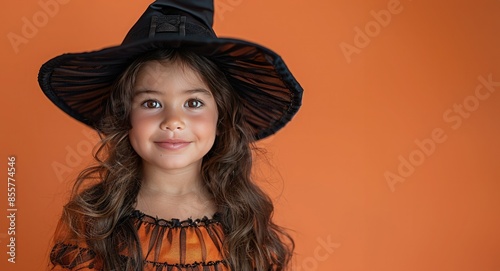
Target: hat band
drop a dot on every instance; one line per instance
(168, 24)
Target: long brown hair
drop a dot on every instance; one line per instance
(104, 195)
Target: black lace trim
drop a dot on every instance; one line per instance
(176, 223)
(188, 266)
(84, 256)
(71, 256)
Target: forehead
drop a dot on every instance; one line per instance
(168, 73)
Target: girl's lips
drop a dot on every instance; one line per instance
(172, 144)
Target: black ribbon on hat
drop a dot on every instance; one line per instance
(167, 23)
(203, 10)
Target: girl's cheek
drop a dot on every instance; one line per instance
(141, 116)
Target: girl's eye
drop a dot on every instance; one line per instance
(151, 104)
(193, 103)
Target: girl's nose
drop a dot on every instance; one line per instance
(172, 121)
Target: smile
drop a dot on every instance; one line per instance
(172, 144)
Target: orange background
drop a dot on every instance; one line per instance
(386, 109)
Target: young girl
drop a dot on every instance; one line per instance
(178, 110)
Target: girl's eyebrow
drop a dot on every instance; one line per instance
(187, 91)
(198, 91)
(145, 91)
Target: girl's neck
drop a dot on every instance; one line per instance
(174, 194)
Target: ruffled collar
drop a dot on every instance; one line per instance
(174, 222)
(180, 245)
(167, 245)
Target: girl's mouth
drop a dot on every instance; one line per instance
(172, 144)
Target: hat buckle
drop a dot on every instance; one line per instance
(167, 24)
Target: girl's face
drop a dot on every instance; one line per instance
(173, 116)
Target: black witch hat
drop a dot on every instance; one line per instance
(80, 83)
